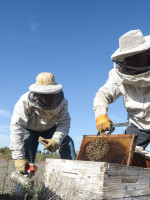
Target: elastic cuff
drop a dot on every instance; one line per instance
(100, 111)
(17, 155)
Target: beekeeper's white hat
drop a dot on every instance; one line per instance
(45, 84)
(131, 43)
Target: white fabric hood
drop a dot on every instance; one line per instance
(140, 80)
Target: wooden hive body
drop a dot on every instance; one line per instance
(87, 180)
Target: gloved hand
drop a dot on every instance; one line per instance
(21, 164)
(103, 123)
(52, 145)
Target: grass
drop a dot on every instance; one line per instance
(5, 153)
(8, 187)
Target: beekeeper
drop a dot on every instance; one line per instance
(130, 77)
(43, 111)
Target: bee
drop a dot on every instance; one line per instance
(97, 149)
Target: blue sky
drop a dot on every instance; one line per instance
(74, 40)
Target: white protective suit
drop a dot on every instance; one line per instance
(26, 116)
(136, 92)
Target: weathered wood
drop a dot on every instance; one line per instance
(81, 180)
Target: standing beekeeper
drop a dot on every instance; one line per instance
(43, 111)
(130, 77)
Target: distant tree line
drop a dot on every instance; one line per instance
(5, 153)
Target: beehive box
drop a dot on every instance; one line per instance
(87, 180)
(141, 160)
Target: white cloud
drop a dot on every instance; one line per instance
(4, 140)
(5, 113)
(33, 26)
(33, 23)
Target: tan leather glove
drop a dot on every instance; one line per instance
(103, 123)
(51, 144)
(21, 164)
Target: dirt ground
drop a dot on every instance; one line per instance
(8, 187)
(6, 167)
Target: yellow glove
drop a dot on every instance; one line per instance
(103, 123)
(21, 164)
(51, 144)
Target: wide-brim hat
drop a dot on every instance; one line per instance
(45, 84)
(131, 43)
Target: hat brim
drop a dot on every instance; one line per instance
(46, 89)
(119, 54)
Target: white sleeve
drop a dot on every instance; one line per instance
(63, 124)
(18, 125)
(107, 94)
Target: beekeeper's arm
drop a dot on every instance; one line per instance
(18, 123)
(106, 95)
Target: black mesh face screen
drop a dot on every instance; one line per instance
(46, 101)
(129, 70)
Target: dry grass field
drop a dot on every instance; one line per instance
(8, 188)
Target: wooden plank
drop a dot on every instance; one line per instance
(81, 180)
(76, 178)
(115, 169)
(126, 181)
